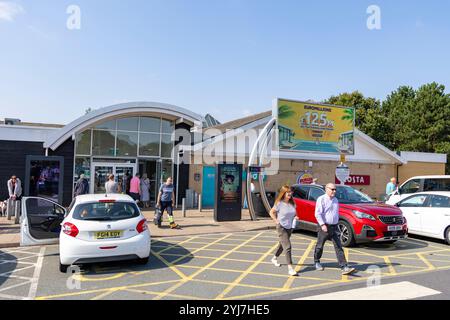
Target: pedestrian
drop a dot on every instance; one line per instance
(126, 183)
(284, 213)
(166, 201)
(111, 185)
(327, 215)
(145, 190)
(15, 195)
(391, 186)
(81, 187)
(135, 187)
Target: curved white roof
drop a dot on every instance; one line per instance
(58, 137)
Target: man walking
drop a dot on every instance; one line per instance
(327, 215)
(391, 186)
(81, 187)
(166, 200)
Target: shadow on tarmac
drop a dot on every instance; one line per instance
(8, 263)
(172, 256)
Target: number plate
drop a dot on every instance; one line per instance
(108, 235)
(394, 228)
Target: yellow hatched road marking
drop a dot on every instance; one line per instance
(305, 255)
(245, 273)
(392, 271)
(176, 286)
(156, 293)
(429, 265)
(105, 294)
(72, 294)
(176, 245)
(170, 265)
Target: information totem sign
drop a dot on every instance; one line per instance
(228, 204)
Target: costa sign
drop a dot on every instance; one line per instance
(356, 180)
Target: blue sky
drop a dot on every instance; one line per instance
(229, 58)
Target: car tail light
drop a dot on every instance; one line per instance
(107, 201)
(70, 229)
(142, 226)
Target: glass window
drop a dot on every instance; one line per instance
(412, 186)
(167, 126)
(166, 170)
(436, 185)
(166, 146)
(350, 195)
(149, 144)
(127, 144)
(301, 192)
(111, 211)
(109, 125)
(128, 124)
(415, 201)
(315, 193)
(82, 166)
(437, 201)
(150, 125)
(83, 142)
(103, 143)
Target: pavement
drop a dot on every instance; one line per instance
(194, 223)
(233, 266)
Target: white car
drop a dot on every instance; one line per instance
(97, 228)
(419, 184)
(428, 214)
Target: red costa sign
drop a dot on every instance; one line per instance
(356, 180)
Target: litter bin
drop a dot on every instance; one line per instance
(258, 204)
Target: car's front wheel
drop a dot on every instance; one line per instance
(346, 234)
(143, 261)
(63, 267)
(447, 235)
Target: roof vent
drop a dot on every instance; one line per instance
(12, 122)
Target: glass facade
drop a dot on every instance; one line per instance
(128, 137)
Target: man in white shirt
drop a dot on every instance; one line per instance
(327, 215)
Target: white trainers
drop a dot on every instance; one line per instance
(275, 262)
(292, 272)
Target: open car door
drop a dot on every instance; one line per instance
(41, 221)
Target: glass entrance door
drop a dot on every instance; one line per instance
(101, 171)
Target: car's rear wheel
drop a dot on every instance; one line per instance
(63, 267)
(447, 235)
(346, 234)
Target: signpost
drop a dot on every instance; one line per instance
(342, 173)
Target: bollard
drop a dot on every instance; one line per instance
(9, 208)
(200, 202)
(183, 207)
(17, 212)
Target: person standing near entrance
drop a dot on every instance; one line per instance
(327, 215)
(145, 190)
(135, 187)
(81, 187)
(111, 185)
(15, 195)
(126, 183)
(166, 200)
(391, 186)
(284, 213)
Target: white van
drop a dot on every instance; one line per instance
(419, 184)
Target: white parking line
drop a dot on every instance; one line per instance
(37, 272)
(394, 291)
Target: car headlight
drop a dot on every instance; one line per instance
(363, 215)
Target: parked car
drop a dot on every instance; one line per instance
(96, 228)
(361, 218)
(419, 184)
(428, 214)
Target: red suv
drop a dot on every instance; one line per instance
(361, 218)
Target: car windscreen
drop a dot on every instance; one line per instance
(348, 195)
(110, 211)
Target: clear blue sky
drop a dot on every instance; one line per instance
(229, 58)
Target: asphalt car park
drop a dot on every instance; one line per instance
(215, 266)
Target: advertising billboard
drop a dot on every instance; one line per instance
(312, 127)
(228, 204)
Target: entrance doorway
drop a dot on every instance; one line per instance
(152, 169)
(102, 170)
